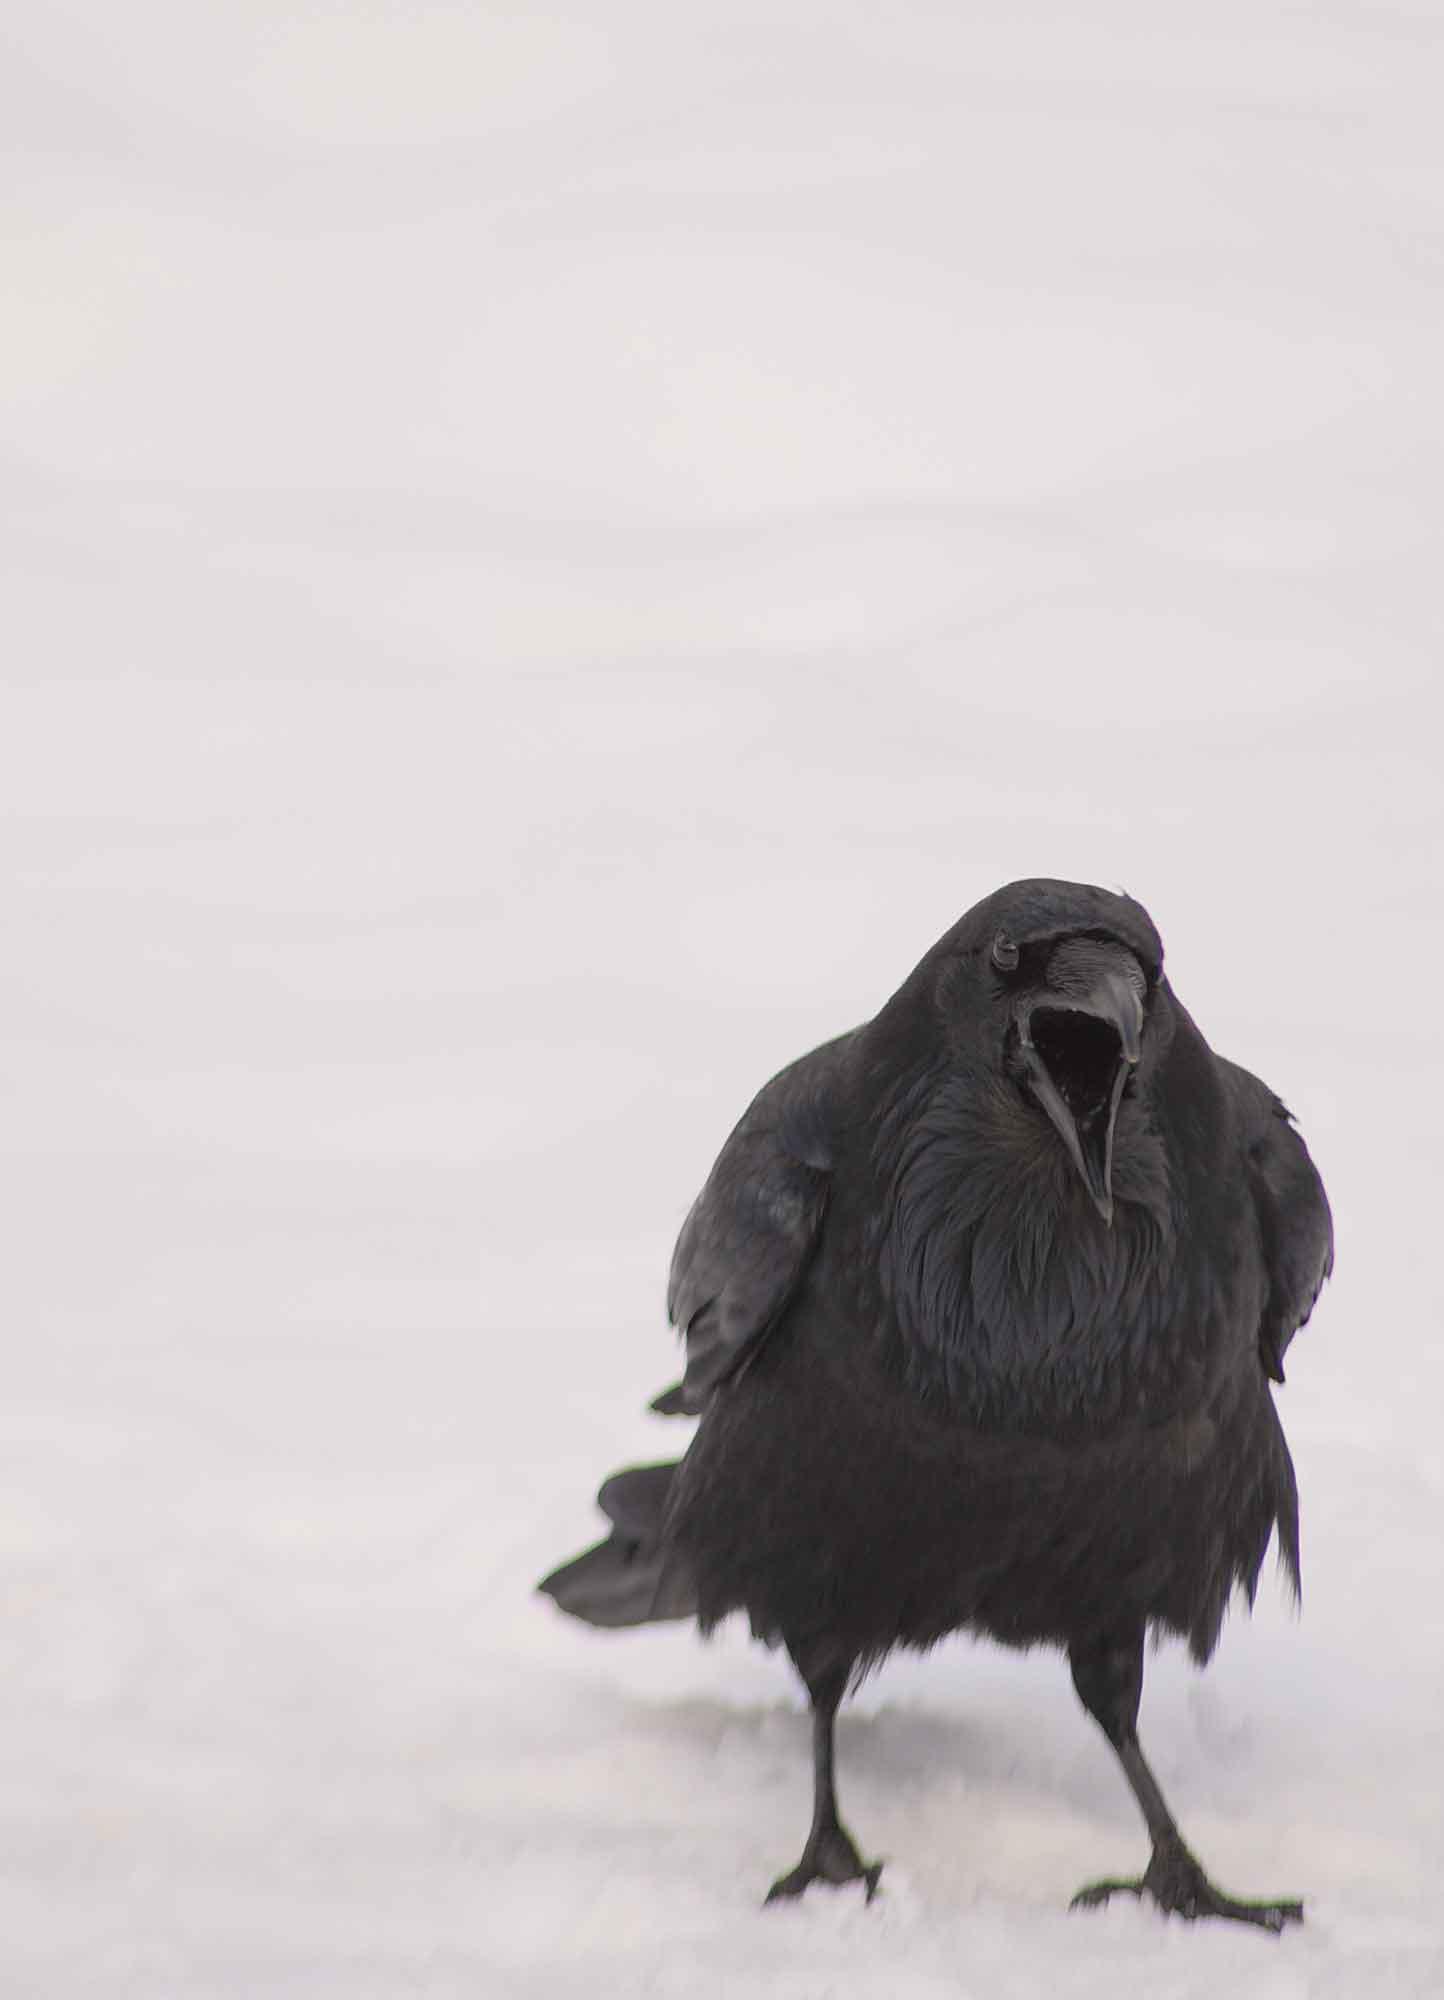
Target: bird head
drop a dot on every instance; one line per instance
(1066, 974)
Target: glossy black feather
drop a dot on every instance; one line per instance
(937, 1390)
(628, 1579)
(746, 1243)
(1293, 1217)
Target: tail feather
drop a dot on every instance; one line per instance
(636, 1500)
(629, 1579)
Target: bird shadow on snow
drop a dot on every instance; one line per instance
(999, 1808)
(893, 1755)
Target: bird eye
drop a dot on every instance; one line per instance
(1005, 953)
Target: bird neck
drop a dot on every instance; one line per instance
(1004, 1289)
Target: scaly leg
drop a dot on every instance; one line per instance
(1108, 1675)
(830, 1854)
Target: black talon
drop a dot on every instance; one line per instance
(830, 1856)
(1175, 1881)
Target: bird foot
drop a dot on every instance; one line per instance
(829, 1856)
(1177, 1883)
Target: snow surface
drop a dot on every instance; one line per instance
(547, 555)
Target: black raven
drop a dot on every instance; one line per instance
(982, 1302)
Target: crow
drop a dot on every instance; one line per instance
(982, 1303)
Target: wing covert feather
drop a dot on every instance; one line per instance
(752, 1231)
(1295, 1223)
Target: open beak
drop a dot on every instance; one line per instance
(1078, 1049)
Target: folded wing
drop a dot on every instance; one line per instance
(752, 1231)
(1295, 1224)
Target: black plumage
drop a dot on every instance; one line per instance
(981, 1303)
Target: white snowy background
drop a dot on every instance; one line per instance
(547, 554)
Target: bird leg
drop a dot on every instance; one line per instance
(1109, 1680)
(830, 1854)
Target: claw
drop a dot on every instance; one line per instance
(829, 1856)
(1093, 1895)
(1175, 1881)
